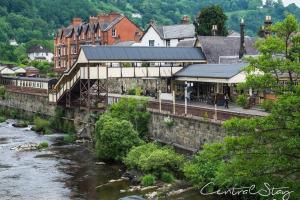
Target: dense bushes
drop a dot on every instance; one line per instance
(42, 125)
(114, 138)
(267, 105)
(151, 158)
(133, 110)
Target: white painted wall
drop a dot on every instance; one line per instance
(151, 34)
(34, 56)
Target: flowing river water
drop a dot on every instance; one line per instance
(58, 173)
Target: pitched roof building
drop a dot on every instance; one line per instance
(105, 29)
(38, 52)
(167, 36)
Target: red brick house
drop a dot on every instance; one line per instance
(105, 29)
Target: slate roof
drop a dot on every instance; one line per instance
(125, 43)
(142, 53)
(211, 70)
(216, 46)
(187, 43)
(38, 49)
(113, 23)
(175, 31)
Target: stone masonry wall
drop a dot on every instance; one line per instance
(115, 84)
(186, 132)
(28, 102)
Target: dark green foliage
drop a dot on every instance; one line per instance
(209, 16)
(151, 158)
(167, 177)
(133, 110)
(148, 180)
(266, 149)
(2, 119)
(267, 105)
(2, 92)
(242, 101)
(114, 138)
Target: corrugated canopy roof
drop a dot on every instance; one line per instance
(143, 53)
(211, 70)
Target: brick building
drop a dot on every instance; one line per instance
(105, 29)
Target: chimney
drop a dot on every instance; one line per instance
(185, 19)
(268, 23)
(214, 30)
(76, 21)
(108, 18)
(93, 20)
(242, 44)
(152, 22)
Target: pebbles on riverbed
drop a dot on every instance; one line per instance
(26, 147)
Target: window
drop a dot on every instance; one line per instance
(151, 43)
(114, 32)
(168, 43)
(75, 50)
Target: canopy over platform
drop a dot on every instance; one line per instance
(134, 53)
(213, 73)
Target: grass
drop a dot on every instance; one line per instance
(148, 180)
(70, 138)
(43, 145)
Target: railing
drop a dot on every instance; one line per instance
(178, 109)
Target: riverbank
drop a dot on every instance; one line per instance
(59, 172)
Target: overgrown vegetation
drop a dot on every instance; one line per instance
(267, 105)
(148, 180)
(242, 101)
(114, 138)
(42, 125)
(266, 149)
(151, 158)
(43, 145)
(133, 110)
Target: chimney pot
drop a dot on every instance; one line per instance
(76, 21)
(185, 19)
(214, 30)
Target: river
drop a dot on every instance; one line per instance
(58, 173)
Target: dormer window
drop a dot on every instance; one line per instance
(114, 33)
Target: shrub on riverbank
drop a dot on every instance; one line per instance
(43, 145)
(151, 158)
(2, 119)
(133, 110)
(148, 180)
(42, 126)
(114, 138)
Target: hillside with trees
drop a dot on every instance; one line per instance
(26, 20)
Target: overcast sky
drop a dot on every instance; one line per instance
(287, 2)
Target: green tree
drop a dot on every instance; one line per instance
(114, 138)
(209, 16)
(260, 150)
(133, 110)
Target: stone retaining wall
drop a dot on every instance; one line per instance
(28, 102)
(189, 133)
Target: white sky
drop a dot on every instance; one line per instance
(287, 2)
